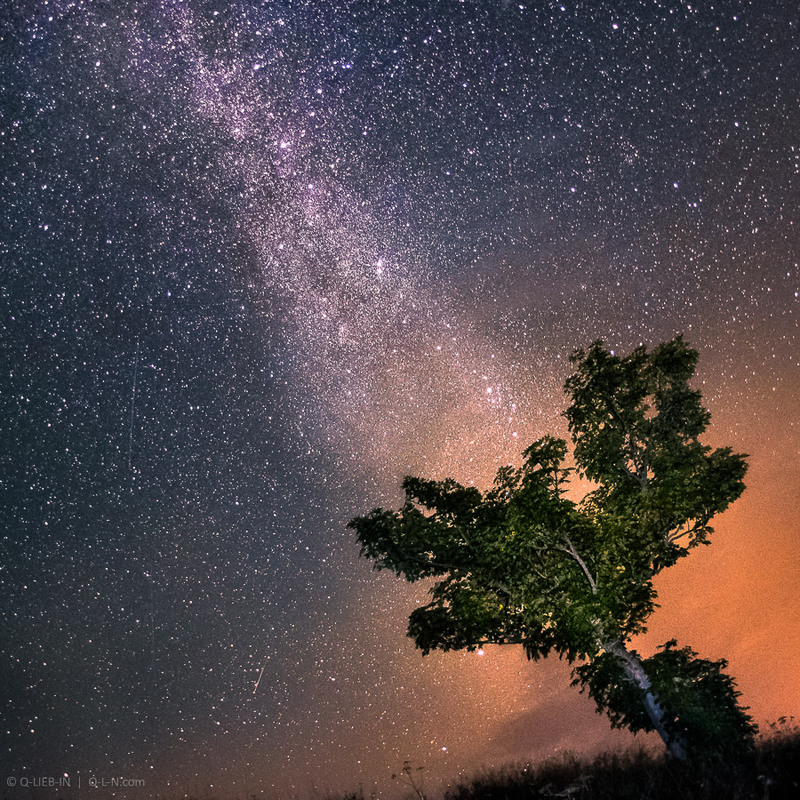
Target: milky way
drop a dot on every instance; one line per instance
(261, 260)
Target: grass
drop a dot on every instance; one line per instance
(770, 772)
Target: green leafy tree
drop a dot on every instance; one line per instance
(523, 564)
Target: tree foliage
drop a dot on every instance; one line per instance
(699, 699)
(523, 563)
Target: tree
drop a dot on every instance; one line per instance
(523, 564)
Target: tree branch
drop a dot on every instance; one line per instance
(571, 551)
(500, 640)
(546, 588)
(679, 534)
(494, 584)
(634, 452)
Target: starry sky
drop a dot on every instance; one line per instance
(260, 260)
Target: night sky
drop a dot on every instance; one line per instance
(260, 260)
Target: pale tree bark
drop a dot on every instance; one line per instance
(635, 672)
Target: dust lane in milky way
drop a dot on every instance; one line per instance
(261, 260)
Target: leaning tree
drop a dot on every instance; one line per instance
(524, 564)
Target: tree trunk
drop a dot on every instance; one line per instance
(634, 671)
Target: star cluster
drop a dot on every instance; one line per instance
(261, 260)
